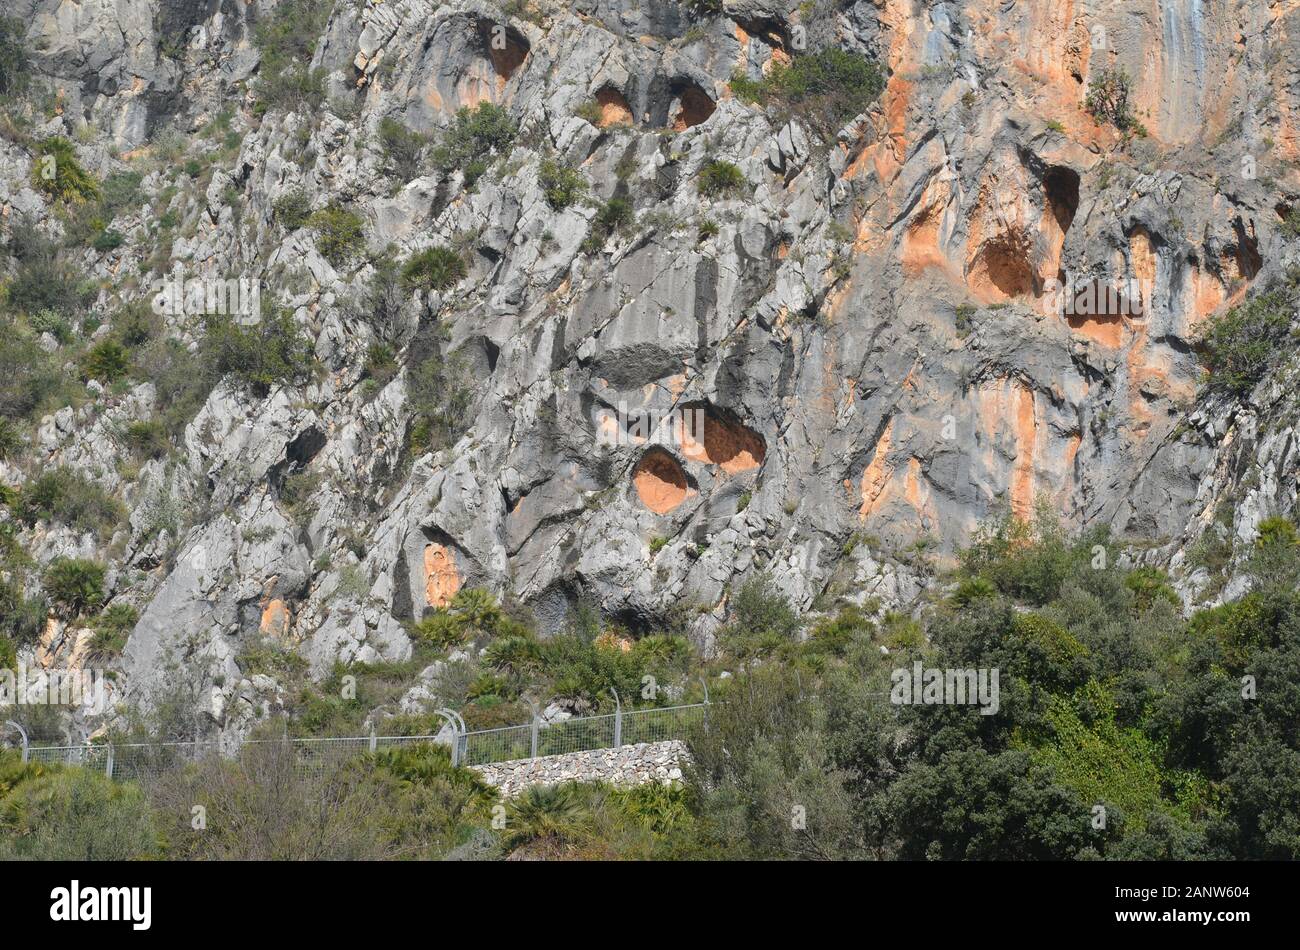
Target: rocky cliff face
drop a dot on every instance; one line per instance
(865, 343)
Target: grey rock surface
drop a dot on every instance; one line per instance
(868, 329)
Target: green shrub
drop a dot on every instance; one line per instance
(57, 173)
(1027, 560)
(762, 622)
(11, 441)
(435, 268)
(292, 210)
(545, 813)
(270, 658)
(381, 364)
(46, 278)
(75, 584)
(146, 439)
(181, 379)
(106, 361)
(122, 192)
(112, 628)
(475, 134)
(22, 618)
(287, 40)
(1240, 346)
(28, 375)
(402, 149)
(136, 324)
(440, 630)
(1148, 585)
(270, 353)
(828, 88)
(298, 492)
(438, 394)
(340, 234)
(52, 322)
(473, 171)
(76, 814)
(720, 178)
(406, 803)
(69, 498)
(14, 69)
(1107, 99)
(612, 216)
(108, 240)
(590, 111)
(562, 184)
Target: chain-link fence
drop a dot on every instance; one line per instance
(146, 761)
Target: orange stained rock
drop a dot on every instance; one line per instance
(694, 107)
(660, 481)
(1071, 451)
(275, 619)
(506, 60)
(474, 89)
(1106, 330)
(912, 487)
(921, 241)
(1054, 50)
(609, 640)
(1208, 295)
(1026, 431)
(441, 579)
(875, 477)
(732, 446)
(778, 56)
(1143, 256)
(614, 109)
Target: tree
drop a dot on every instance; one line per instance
(561, 184)
(402, 148)
(1108, 98)
(762, 622)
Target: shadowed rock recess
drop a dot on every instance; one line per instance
(481, 231)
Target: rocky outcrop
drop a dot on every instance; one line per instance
(873, 327)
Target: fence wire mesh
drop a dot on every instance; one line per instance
(147, 761)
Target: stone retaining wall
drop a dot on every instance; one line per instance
(626, 765)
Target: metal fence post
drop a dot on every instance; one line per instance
(108, 766)
(618, 718)
(457, 730)
(22, 732)
(537, 725)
